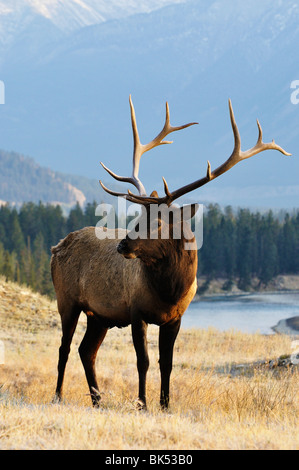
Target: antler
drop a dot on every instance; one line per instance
(139, 150)
(236, 157)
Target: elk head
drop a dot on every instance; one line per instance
(158, 227)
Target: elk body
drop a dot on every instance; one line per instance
(122, 280)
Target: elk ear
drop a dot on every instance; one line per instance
(189, 211)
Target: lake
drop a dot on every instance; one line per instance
(249, 313)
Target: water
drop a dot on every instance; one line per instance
(249, 313)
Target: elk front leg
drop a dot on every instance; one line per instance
(167, 337)
(139, 331)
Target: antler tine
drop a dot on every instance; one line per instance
(137, 144)
(134, 179)
(109, 191)
(236, 133)
(260, 146)
(126, 179)
(167, 129)
(139, 150)
(129, 196)
(236, 156)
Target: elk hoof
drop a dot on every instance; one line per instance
(139, 405)
(164, 403)
(56, 400)
(95, 397)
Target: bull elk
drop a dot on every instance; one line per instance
(134, 280)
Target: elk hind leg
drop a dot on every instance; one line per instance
(93, 338)
(69, 320)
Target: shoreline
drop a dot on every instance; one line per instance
(199, 298)
(216, 287)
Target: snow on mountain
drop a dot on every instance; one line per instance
(82, 13)
(29, 27)
(69, 15)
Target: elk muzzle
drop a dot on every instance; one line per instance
(124, 249)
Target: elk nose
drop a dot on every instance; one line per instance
(122, 246)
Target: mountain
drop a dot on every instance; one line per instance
(69, 67)
(23, 180)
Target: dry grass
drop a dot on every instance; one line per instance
(210, 409)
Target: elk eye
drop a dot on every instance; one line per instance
(159, 223)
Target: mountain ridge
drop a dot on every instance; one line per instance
(23, 180)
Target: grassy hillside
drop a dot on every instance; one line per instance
(214, 404)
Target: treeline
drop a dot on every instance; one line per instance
(237, 246)
(26, 237)
(248, 245)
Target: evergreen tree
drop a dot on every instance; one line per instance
(2, 255)
(269, 262)
(5, 222)
(210, 254)
(75, 220)
(53, 226)
(245, 244)
(10, 265)
(43, 281)
(229, 238)
(268, 252)
(89, 214)
(28, 275)
(30, 220)
(288, 246)
(17, 242)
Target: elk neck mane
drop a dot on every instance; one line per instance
(172, 272)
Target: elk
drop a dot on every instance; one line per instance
(124, 280)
